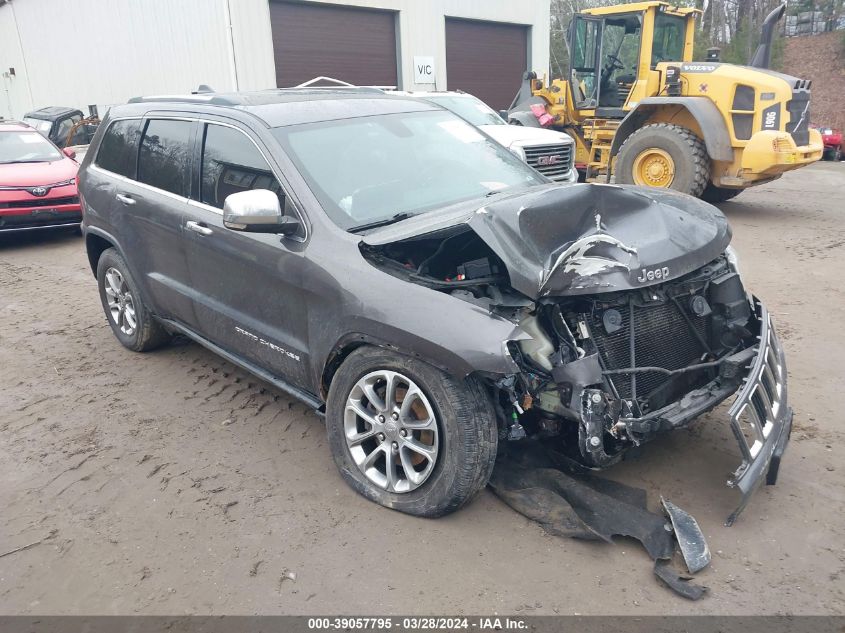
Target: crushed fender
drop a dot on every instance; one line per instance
(567, 501)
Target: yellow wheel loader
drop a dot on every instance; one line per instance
(641, 110)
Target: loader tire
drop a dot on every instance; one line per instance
(714, 194)
(664, 155)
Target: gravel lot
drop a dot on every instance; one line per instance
(172, 482)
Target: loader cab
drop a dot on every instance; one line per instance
(614, 52)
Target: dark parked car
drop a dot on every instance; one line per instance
(56, 122)
(392, 266)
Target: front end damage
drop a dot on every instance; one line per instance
(630, 367)
(636, 318)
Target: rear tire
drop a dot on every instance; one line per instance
(664, 155)
(464, 437)
(714, 194)
(129, 318)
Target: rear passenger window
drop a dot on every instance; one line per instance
(119, 147)
(164, 161)
(231, 163)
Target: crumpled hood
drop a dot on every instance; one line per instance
(588, 238)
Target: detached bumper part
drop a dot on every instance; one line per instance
(761, 419)
(690, 538)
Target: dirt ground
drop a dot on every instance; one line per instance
(172, 482)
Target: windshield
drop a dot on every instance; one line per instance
(370, 169)
(668, 43)
(26, 147)
(39, 124)
(469, 108)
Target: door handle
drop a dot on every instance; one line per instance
(125, 199)
(196, 227)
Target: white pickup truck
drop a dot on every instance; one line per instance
(550, 152)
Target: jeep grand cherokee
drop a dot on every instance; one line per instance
(392, 266)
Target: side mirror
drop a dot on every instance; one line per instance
(69, 152)
(257, 211)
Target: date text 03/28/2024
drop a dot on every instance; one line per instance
(417, 623)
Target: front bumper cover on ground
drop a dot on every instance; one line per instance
(760, 417)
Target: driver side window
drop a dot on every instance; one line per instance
(231, 163)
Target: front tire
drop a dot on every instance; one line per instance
(129, 318)
(664, 155)
(409, 436)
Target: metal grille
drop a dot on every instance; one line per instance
(553, 161)
(39, 202)
(799, 117)
(759, 404)
(663, 338)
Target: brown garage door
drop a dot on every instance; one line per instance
(486, 59)
(354, 45)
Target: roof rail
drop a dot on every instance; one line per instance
(213, 99)
(339, 84)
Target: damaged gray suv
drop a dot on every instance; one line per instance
(392, 266)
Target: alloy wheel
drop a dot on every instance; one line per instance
(120, 302)
(391, 431)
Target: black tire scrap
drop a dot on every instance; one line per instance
(562, 497)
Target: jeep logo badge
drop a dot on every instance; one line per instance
(651, 275)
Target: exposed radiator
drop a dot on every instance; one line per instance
(663, 338)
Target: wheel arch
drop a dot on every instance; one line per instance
(353, 341)
(714, 132)
(439, 357)
(96, 243)
(341, 350)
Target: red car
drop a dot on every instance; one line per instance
(833, 143)
(37, 181)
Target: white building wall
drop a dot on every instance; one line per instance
(103, 52)
(253, 44)
(14, 88)
(80, 52)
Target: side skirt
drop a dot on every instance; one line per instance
(306, 397)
